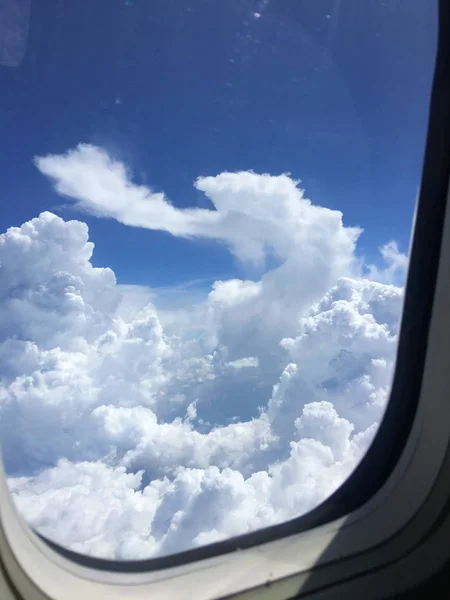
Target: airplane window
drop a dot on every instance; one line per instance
(205, 224)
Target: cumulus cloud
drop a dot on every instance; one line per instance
(129, 431)
(254, 214)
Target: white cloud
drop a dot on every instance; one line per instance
(116, 417)
(254, 214)
(396, 265)
(243, 363)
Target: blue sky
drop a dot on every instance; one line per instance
(336, 93)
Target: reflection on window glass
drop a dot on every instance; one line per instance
(220, 360)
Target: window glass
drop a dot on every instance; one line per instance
(206, 213)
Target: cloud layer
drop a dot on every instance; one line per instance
(130, 433)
